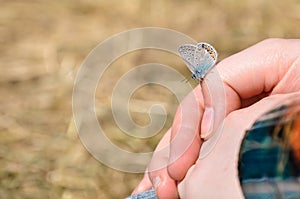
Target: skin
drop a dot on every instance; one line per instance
(252, 81)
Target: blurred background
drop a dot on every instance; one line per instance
(43, 43)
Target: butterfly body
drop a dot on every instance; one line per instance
(199, 58)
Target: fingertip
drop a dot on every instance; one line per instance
(163, 184)
(207, 123)
(144, 185)
(219, 100)
(166, 188)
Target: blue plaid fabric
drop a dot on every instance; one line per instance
(150, 194)
(268, 165)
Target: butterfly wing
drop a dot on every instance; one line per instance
(187, 53)
(209, 49)
(205, 57)
(199, 59)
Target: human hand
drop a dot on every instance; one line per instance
(256, 78)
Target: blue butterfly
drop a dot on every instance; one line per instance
(199, 58)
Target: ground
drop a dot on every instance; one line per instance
(42, 45)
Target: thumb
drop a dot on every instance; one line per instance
(245, 78)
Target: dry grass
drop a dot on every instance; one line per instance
(42, 44)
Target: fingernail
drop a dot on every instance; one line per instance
(207, 123)
(156, 182)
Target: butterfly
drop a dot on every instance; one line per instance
(199, 58)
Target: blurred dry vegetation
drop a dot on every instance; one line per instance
(43, 43)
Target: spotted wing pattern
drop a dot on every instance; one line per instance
(187, 53)
(199, 58)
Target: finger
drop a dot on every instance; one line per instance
(252, 72)
(185, 140)
(144, 185)
(164, 185)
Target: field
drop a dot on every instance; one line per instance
(42, 46)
